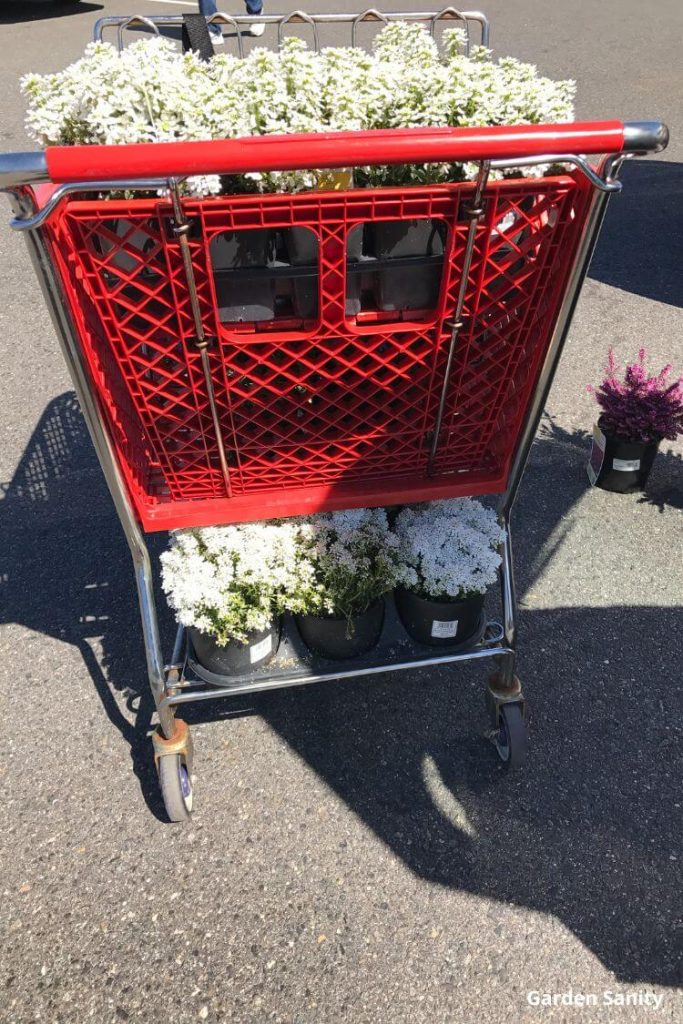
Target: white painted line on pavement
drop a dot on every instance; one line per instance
(178, 3)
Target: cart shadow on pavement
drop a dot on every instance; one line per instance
(587, 832)
(12, 12)
(67, 572)
(640, 249)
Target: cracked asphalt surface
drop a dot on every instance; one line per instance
(357, 854)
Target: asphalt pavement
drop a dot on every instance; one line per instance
(357, 853)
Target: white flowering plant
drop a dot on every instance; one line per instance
(152, 93)
(448, 549)
(345, 561)
(230, 581)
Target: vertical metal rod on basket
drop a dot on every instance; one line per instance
(181, 231)
(474, 212)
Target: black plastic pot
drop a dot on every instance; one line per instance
(236, 659)
(354, 251)
(619, 466)
(327, 635)
(439, 623)
(407, 287)
(302, 251)
(239, 295)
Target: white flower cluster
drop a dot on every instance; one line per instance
(448, 549)
(231, 580)
(346, 561)
(150, 93)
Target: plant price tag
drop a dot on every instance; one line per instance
(261, 649)
(444, 630)
(626, 465)
(597, 455)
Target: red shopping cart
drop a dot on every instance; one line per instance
(217, 394)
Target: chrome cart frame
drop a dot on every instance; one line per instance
(179, 681)
(429, 19)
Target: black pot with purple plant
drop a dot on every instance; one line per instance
(637, 413)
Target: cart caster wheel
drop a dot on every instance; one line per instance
(512, 737)
(176, 786)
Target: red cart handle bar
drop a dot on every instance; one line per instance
(62, 164)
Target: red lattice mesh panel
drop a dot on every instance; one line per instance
(333, 411)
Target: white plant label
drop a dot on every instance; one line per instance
(444, 630)
(261, 649)
(597, 455)
(626, 465)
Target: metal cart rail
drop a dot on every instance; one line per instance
(413, 405)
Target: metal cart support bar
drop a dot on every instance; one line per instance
(429, 19)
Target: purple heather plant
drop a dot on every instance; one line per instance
(639, 408)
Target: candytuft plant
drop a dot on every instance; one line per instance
(346, 562)
(152, 93)
(449, 558)
(226, 585)
(448, 548)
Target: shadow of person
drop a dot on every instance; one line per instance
(12, 13)
(587, 832)
(641, 243)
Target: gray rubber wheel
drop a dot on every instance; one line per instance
(176, 787)
(512, 739)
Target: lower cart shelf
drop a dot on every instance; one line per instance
(294, 664)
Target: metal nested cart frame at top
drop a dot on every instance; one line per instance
(201, 417)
